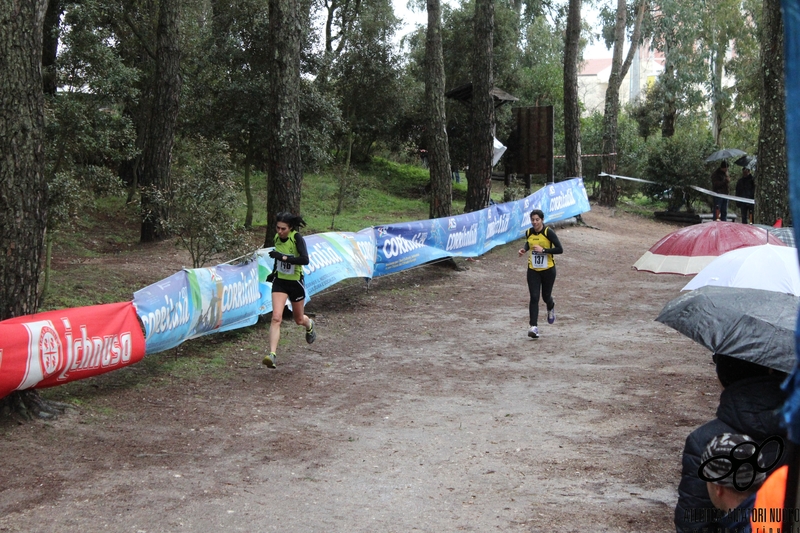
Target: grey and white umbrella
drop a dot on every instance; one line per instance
(748, 324)
(725, 153)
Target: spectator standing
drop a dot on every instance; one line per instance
(720, 183)
(746, 188)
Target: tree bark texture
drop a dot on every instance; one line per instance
(23, 188)
(608, 186)
(52, 24)
(717, 98)
(438, 150)
(572, 111)
(670, 108)
(772, 174)
(284, 166)
(155, 176)
(479, 173)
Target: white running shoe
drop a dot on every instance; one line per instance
(533, 333)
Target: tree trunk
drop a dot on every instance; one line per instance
(572, 112)
(772, 182)
(248, 190)
(717, 97)
(23, 188)
(438, 150)
(479, 173)
(608, 186)
(284, 166)
(670, 109)
(52, 24)
(155, 174)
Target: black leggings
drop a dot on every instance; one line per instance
(543, 279)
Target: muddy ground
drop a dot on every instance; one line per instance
(422, 406)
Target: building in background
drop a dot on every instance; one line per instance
(594, 73)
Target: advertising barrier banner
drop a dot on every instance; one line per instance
(197, 302)
(47, 349)
(333, 257)
(224, 297)
(165, 309)
(410, 244)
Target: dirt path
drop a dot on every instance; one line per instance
(422, 406)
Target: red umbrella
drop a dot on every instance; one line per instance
(688, 250)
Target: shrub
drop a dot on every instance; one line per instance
(203, 199)
(675, 164)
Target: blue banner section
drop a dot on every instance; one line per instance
(165, 309)
(563, 200)
(337, 256)
(200, 301)
(333, 257)
(791, 35)
(410, 244)
(197, 302)
(224, 297)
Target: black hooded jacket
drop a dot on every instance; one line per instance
(749, 406)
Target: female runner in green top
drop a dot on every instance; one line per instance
(290, 255)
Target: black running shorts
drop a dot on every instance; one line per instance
(296, 289)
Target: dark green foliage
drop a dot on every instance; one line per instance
(203, 200)
(676, 163)
(630, 148)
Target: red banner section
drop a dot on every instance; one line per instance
(55, 347)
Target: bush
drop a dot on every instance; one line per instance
(203, 197)
(675, 164)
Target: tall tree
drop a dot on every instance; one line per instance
(608, 188)
(438, 151)
(479, 173)
(340, 16)
(23, 187)
(677, 29)
(572, 111)
(284, 167)
(772, 185)
(155, 170)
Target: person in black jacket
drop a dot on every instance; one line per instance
(749, 404)
(746, 188)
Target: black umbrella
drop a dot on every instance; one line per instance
(748, 161)
(725, 153)
(749, 324)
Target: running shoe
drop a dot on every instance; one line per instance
(551, 315)
(269, 360)
(311, 334)
(533, 333)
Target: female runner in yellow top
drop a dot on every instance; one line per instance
(542, 243)
(290, 255)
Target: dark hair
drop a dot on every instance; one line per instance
(724, 164)
(731, 369)
(295, 222)
(538, 212)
